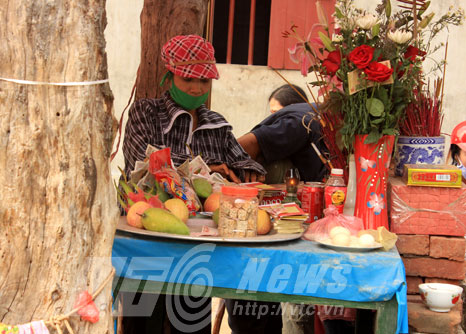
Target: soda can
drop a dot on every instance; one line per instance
(299, 194)
(312, 200)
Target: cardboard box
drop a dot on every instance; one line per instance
(426, 210)
(432, 175)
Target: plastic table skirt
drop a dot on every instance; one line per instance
(297, 271)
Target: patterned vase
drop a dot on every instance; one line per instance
(419, 150)
(372, 162)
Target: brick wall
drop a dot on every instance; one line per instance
(432, 259)
(430, 224)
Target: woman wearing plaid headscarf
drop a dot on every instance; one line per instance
(181, 121)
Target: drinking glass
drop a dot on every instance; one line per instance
(292, 180)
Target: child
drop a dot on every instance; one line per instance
(458, 147)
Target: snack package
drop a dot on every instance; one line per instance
(161, 167)
(330, 228)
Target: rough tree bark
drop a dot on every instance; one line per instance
(57, 210)
(160, 21)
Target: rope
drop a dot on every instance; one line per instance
(59, 320)
(65, 84)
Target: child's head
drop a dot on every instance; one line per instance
(458, 144)
(455, 151)
(458, 136)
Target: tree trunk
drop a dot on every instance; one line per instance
(160, 21)
(58, 210)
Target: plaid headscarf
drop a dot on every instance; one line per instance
(190, 56)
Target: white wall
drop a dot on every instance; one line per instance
(123, 54)
(241, 94)
(242, 91)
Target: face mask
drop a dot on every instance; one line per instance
(185, 100)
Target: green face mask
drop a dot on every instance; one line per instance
(185, 100)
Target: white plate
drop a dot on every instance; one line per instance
(348, 248)
(195, 225)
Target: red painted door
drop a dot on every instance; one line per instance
(285, 13)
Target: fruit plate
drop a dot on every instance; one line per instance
(195, 225)
(349, 248)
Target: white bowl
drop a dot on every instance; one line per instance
(440, 297)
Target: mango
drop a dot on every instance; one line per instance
(216, 216)
(202, 187)
(264, 225)
(161, 220)
(177, 207)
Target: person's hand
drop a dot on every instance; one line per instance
(251, 176)
(225, 172)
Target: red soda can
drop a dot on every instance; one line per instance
(299, 194)
(312, 200)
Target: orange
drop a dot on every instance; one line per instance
(134, 213)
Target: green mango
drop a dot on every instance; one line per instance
(202, 187)
(216, 216)
(161, 220)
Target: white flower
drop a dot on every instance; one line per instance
(367, 21)
(400, 36)
(337, 38)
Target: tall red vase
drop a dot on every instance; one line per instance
(372, 162)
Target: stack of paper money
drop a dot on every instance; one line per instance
(289, 224)
(287, 218)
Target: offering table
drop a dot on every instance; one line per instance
(297, 271)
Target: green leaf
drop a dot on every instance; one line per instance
(125, 186)
(122, 203)
(426, 20)
(326, 41)
(318, 83)
(123, 174)
(390, 132)
(400, 108)
(338, 13)
(377, 53)
(382, 94)
(376, 30)
(375, 107)
(314, 68)
(373, 137)
(377, 121)
(388, 9)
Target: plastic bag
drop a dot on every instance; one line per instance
(87, 309)
(326, 229)
(161, 167)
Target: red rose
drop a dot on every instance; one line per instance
(361, 56)
(412, 52)
(332, 62)
(378, 72)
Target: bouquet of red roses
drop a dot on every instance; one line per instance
(367, 70)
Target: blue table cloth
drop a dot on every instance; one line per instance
(297, 267)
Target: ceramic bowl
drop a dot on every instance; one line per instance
(440, 297)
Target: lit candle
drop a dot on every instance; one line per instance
(292, 181)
